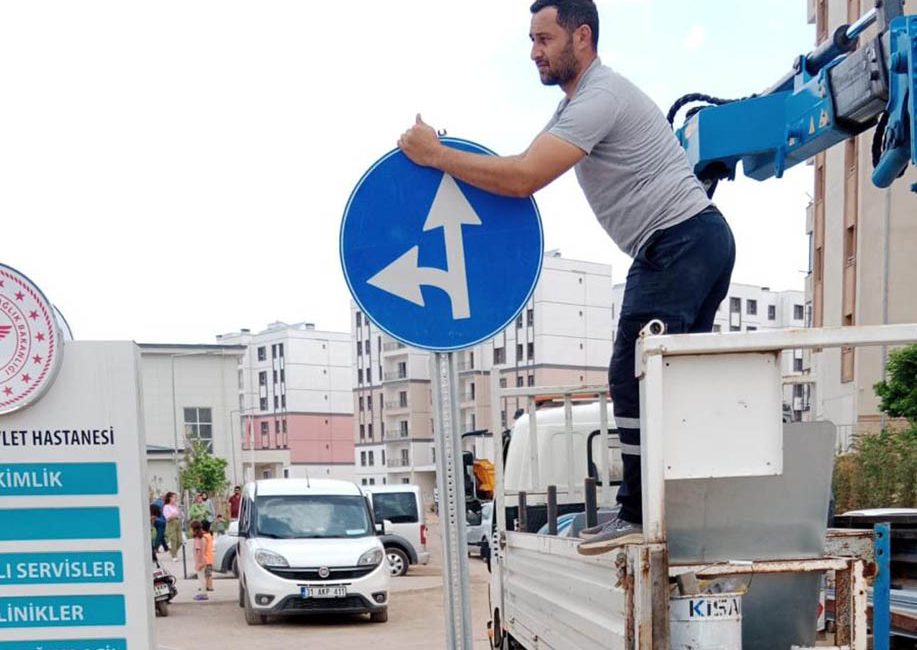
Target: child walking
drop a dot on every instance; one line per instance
(200, 559)
(208, 553)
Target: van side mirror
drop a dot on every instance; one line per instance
(380, 528)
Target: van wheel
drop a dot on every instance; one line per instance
(398, 562)
(241, 595)
(379, 617)
(251, 616)
(235, 566)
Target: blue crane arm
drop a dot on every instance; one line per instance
(832, 93)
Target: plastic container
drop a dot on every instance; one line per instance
(706, 622)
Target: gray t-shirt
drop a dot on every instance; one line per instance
(635, 175)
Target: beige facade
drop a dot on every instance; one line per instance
(863, 263)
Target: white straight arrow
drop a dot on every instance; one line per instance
(403, 277)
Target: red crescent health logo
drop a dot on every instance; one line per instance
(30, 342)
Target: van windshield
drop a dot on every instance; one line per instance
(313, 516)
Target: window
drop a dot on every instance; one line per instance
(382, 454)
(360, 376)
(262, 403)
(397, 507)
(276, 426)
(359, 319)
(262, 354)
(283, 401)
(772, 312)
(518, 352)
(284, 426)
(363, 481)
(265, 435)
(402, 369)
(362, 459)
(519, 322)
(405, 481)
(797, 364)
(717, 328)
(372, 481)
(403, 398)
(751, 328)
(751, 307)
(798, 312)
(530, 351)
(359, 348)
(734, 328)
(499, 355)
(403, 428)
(369, 402)
(471, 386)
(362, 432)
(531, 380)
(283, 376)
(405, 461)
(371, 463)
(275, 376)
(519, 381)
(274, 351)
(369, 430)
(360, 403)
(280, 347)
(262, 378)
(276, 402)
(502, 382)
(199, 425)
(530, 317)
(735, 305)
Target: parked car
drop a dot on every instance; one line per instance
(310, 547)
(225, 550)
(478, 526)
(406, 539)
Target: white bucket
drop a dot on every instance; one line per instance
(706, 622)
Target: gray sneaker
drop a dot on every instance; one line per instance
(616, 532)
(592, 531)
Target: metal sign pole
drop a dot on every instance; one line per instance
(450, 481)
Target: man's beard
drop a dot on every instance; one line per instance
(565, 69)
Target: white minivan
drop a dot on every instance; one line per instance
(309, 547)
(401, 507)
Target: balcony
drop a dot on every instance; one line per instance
(395, 375)
(393, 346)
(394, 463)
(396, 405)
(397, 436)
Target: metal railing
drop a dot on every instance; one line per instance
(394, 375)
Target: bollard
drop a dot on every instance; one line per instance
(523, 519)
(592, 513)
(552, 510)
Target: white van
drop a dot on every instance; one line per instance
(309, 547)
(401, 507)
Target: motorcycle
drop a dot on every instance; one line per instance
(164, 589)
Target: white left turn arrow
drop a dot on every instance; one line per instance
(404, 277)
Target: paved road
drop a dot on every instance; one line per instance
(415, 616)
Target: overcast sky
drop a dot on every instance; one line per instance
(174, 170)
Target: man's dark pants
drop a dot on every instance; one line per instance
(680, 276)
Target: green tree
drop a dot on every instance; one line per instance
(898, 394)
(202, 471)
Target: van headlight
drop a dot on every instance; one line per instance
(270, 559)
(371, 558)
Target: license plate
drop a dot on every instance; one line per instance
(323, 592)
(161, 590)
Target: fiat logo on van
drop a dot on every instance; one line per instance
(324, 572)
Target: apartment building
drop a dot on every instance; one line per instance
(295, 402)
(862, 264)
(562, 336)
(747, 308)
(189, 391)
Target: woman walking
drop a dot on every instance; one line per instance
(173, 514)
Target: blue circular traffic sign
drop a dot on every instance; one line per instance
(436, 263)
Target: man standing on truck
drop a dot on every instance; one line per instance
(640, 185)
